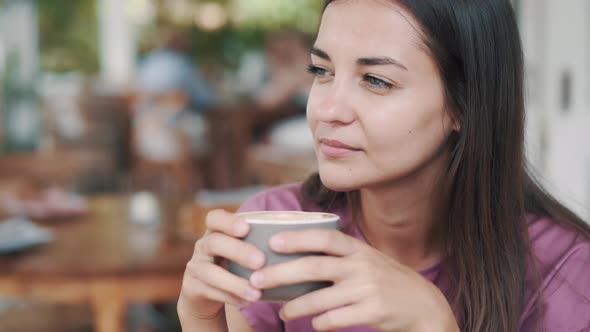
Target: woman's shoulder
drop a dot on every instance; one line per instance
(552, 240)
(560, 275)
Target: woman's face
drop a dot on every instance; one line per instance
(377, 105)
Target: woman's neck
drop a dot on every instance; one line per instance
(398, 218)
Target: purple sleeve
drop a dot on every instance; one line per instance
(255, 203)
(264, 316)
(565, 295)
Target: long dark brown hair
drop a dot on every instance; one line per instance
(487, 190)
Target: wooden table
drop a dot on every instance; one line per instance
(101, 260)
(61, 167)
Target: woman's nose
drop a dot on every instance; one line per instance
(336, 106)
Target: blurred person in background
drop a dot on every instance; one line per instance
(171, 99)
(287, 84)
(286, 89)
(169, 68)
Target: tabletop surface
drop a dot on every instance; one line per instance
(103, 243)
(49, 164)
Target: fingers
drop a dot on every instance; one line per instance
(212, 276)
(309, 268)
(206, 284)
(223, 282)
(221, 245)
(223, 297)
(206, 300)
(227, 223)
(330, 242)
(353, 315)
(322, 300)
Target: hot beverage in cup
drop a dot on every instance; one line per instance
(263, 226)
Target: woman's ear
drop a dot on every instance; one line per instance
(453, 117)
(456, 124)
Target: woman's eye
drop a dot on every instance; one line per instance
(318, 72)
(378, 83)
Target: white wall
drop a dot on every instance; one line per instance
(19, 34)
(117, 43)
(556, 38)
(20, 40)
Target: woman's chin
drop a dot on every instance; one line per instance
(340, 183)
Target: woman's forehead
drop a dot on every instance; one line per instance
(362, 28)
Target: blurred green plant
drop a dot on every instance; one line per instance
(249, 24)
(69, 30)
(302, 15)
(68, 35)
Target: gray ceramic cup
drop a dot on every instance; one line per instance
(265, 224)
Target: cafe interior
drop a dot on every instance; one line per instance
(124, 122)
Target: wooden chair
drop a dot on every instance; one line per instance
(48, 318)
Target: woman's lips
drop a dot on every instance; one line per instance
(336, 149)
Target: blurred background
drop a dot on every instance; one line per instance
(123, 122)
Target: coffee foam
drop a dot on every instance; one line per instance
(287, 217)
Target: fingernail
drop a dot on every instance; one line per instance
(277, 242)
(241, 227)
(257, 279)
(253, 294)
(255, 260)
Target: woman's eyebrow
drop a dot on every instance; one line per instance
(318, 52)
(369, 61)
(380, 61)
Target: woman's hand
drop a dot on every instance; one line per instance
(207, 285)
(370, 289)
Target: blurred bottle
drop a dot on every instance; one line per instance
(144, 209)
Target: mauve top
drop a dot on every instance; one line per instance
(563, 255)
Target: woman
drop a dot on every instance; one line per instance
(417, 114)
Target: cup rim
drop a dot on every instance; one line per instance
(332, 218)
